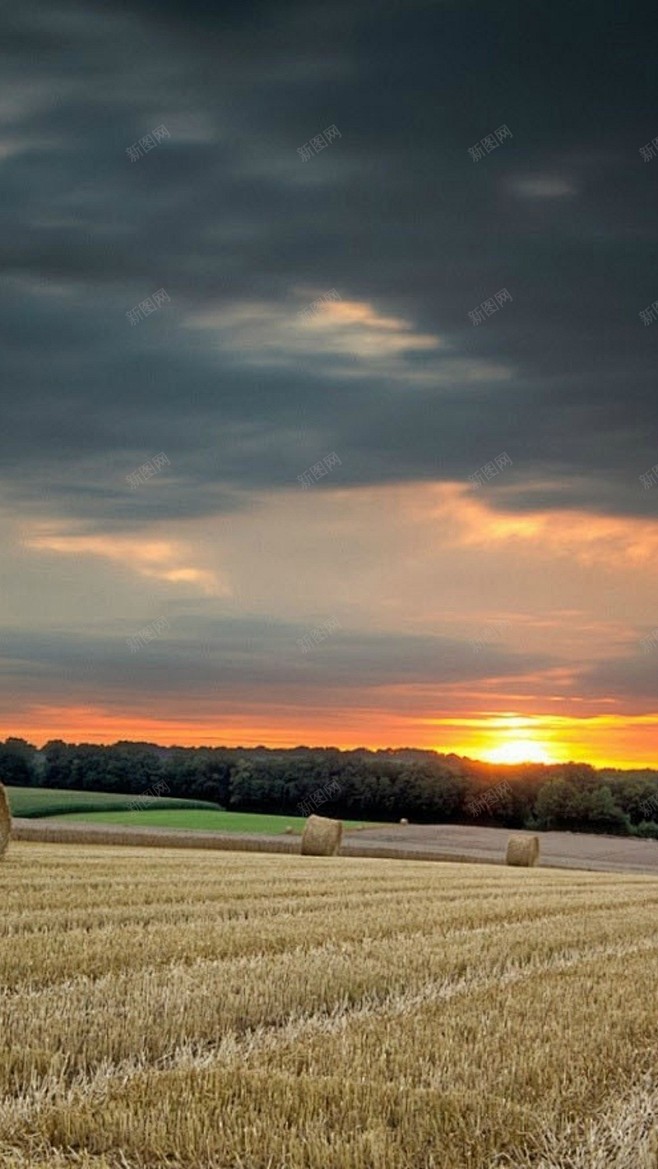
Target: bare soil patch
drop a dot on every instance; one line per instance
(453, 842)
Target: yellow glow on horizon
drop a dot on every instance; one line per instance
(506, 737)
(519, 751)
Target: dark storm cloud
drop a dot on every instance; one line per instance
(394, 212)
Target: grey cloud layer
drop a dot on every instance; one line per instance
(394, 213)
(207, 659)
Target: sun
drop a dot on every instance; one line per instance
(519, 751)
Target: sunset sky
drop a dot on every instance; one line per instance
(505, 618)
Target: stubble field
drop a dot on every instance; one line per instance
(190, 1009)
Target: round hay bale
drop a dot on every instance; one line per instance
(321, 836)
(404, 820)
(5, 821)
(522, 850)
(288, 830)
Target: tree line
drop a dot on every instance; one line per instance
(387, 785)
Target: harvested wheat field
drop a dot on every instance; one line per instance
(189, 1009)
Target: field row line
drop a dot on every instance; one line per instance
(343, 1015)
(249, 962)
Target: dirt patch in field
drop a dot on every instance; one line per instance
(561, 849)
(450, 842)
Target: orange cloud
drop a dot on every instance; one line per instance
(263, 333)
(162, 560)
(589, 538)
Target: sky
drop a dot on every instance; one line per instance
(329, 396)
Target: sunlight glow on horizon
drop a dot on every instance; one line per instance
(519, 751)
(505, 739)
